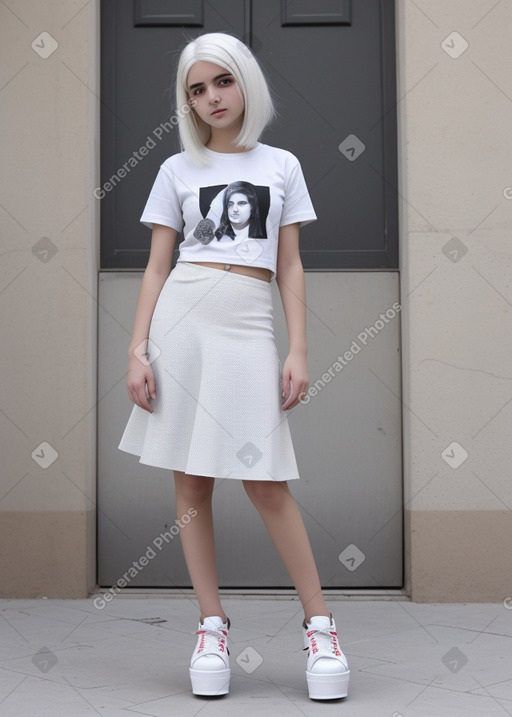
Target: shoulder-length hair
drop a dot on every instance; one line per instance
(248, 190)
(231, 54)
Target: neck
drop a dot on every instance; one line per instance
(224, 140)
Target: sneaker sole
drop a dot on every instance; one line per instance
(210, 682)
(327, 686)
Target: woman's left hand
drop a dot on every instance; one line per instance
(295, 380)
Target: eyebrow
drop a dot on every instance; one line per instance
(217, 77)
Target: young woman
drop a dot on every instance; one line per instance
(210, 392)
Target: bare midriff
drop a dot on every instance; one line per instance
(258, 272)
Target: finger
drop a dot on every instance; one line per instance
(289, 398)
(295, 403)
(296, 395)
(152, 385)
(143, 399)
(285, 380)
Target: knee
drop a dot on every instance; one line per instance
(267, 495)
(193, 489)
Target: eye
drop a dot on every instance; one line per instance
(227, 80)
(195, 92)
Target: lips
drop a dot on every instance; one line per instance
(219, 111)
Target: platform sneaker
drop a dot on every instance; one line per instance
(327, 672)
(209, 665)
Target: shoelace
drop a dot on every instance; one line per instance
(212, 640)
(323, 640)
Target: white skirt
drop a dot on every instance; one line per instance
(217, 410)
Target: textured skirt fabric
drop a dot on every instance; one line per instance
(217, 410)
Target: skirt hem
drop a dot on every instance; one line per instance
(204, 474)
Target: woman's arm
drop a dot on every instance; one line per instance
(290, 280)
(157, 270)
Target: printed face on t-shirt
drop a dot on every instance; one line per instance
(239, 210)
(232, 212)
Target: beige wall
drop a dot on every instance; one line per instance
(454, 144)
(50, 133)
(454, 125)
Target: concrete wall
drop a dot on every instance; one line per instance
(456, 213)
(50, 241)
(455, 110)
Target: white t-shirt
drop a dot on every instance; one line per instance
(230, 211)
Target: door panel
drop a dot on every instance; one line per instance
(347, 441)
(335, 88)
(334, 85)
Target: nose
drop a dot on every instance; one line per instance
(213, 95)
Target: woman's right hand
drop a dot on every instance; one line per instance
(139, 377)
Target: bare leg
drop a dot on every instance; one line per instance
(197, 540)
(284, 523)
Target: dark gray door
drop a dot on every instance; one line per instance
(333, 76)
(332, 70)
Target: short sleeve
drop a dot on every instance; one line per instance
(297, 206)
(163, 205)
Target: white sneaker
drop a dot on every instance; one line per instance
(327, 672)
(209, 665)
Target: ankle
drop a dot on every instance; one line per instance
(321, 613)
(220, 614)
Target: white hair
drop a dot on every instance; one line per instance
(231, 54)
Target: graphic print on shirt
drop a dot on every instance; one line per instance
(233, 212)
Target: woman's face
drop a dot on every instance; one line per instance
(218, 98)
(239, 210)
